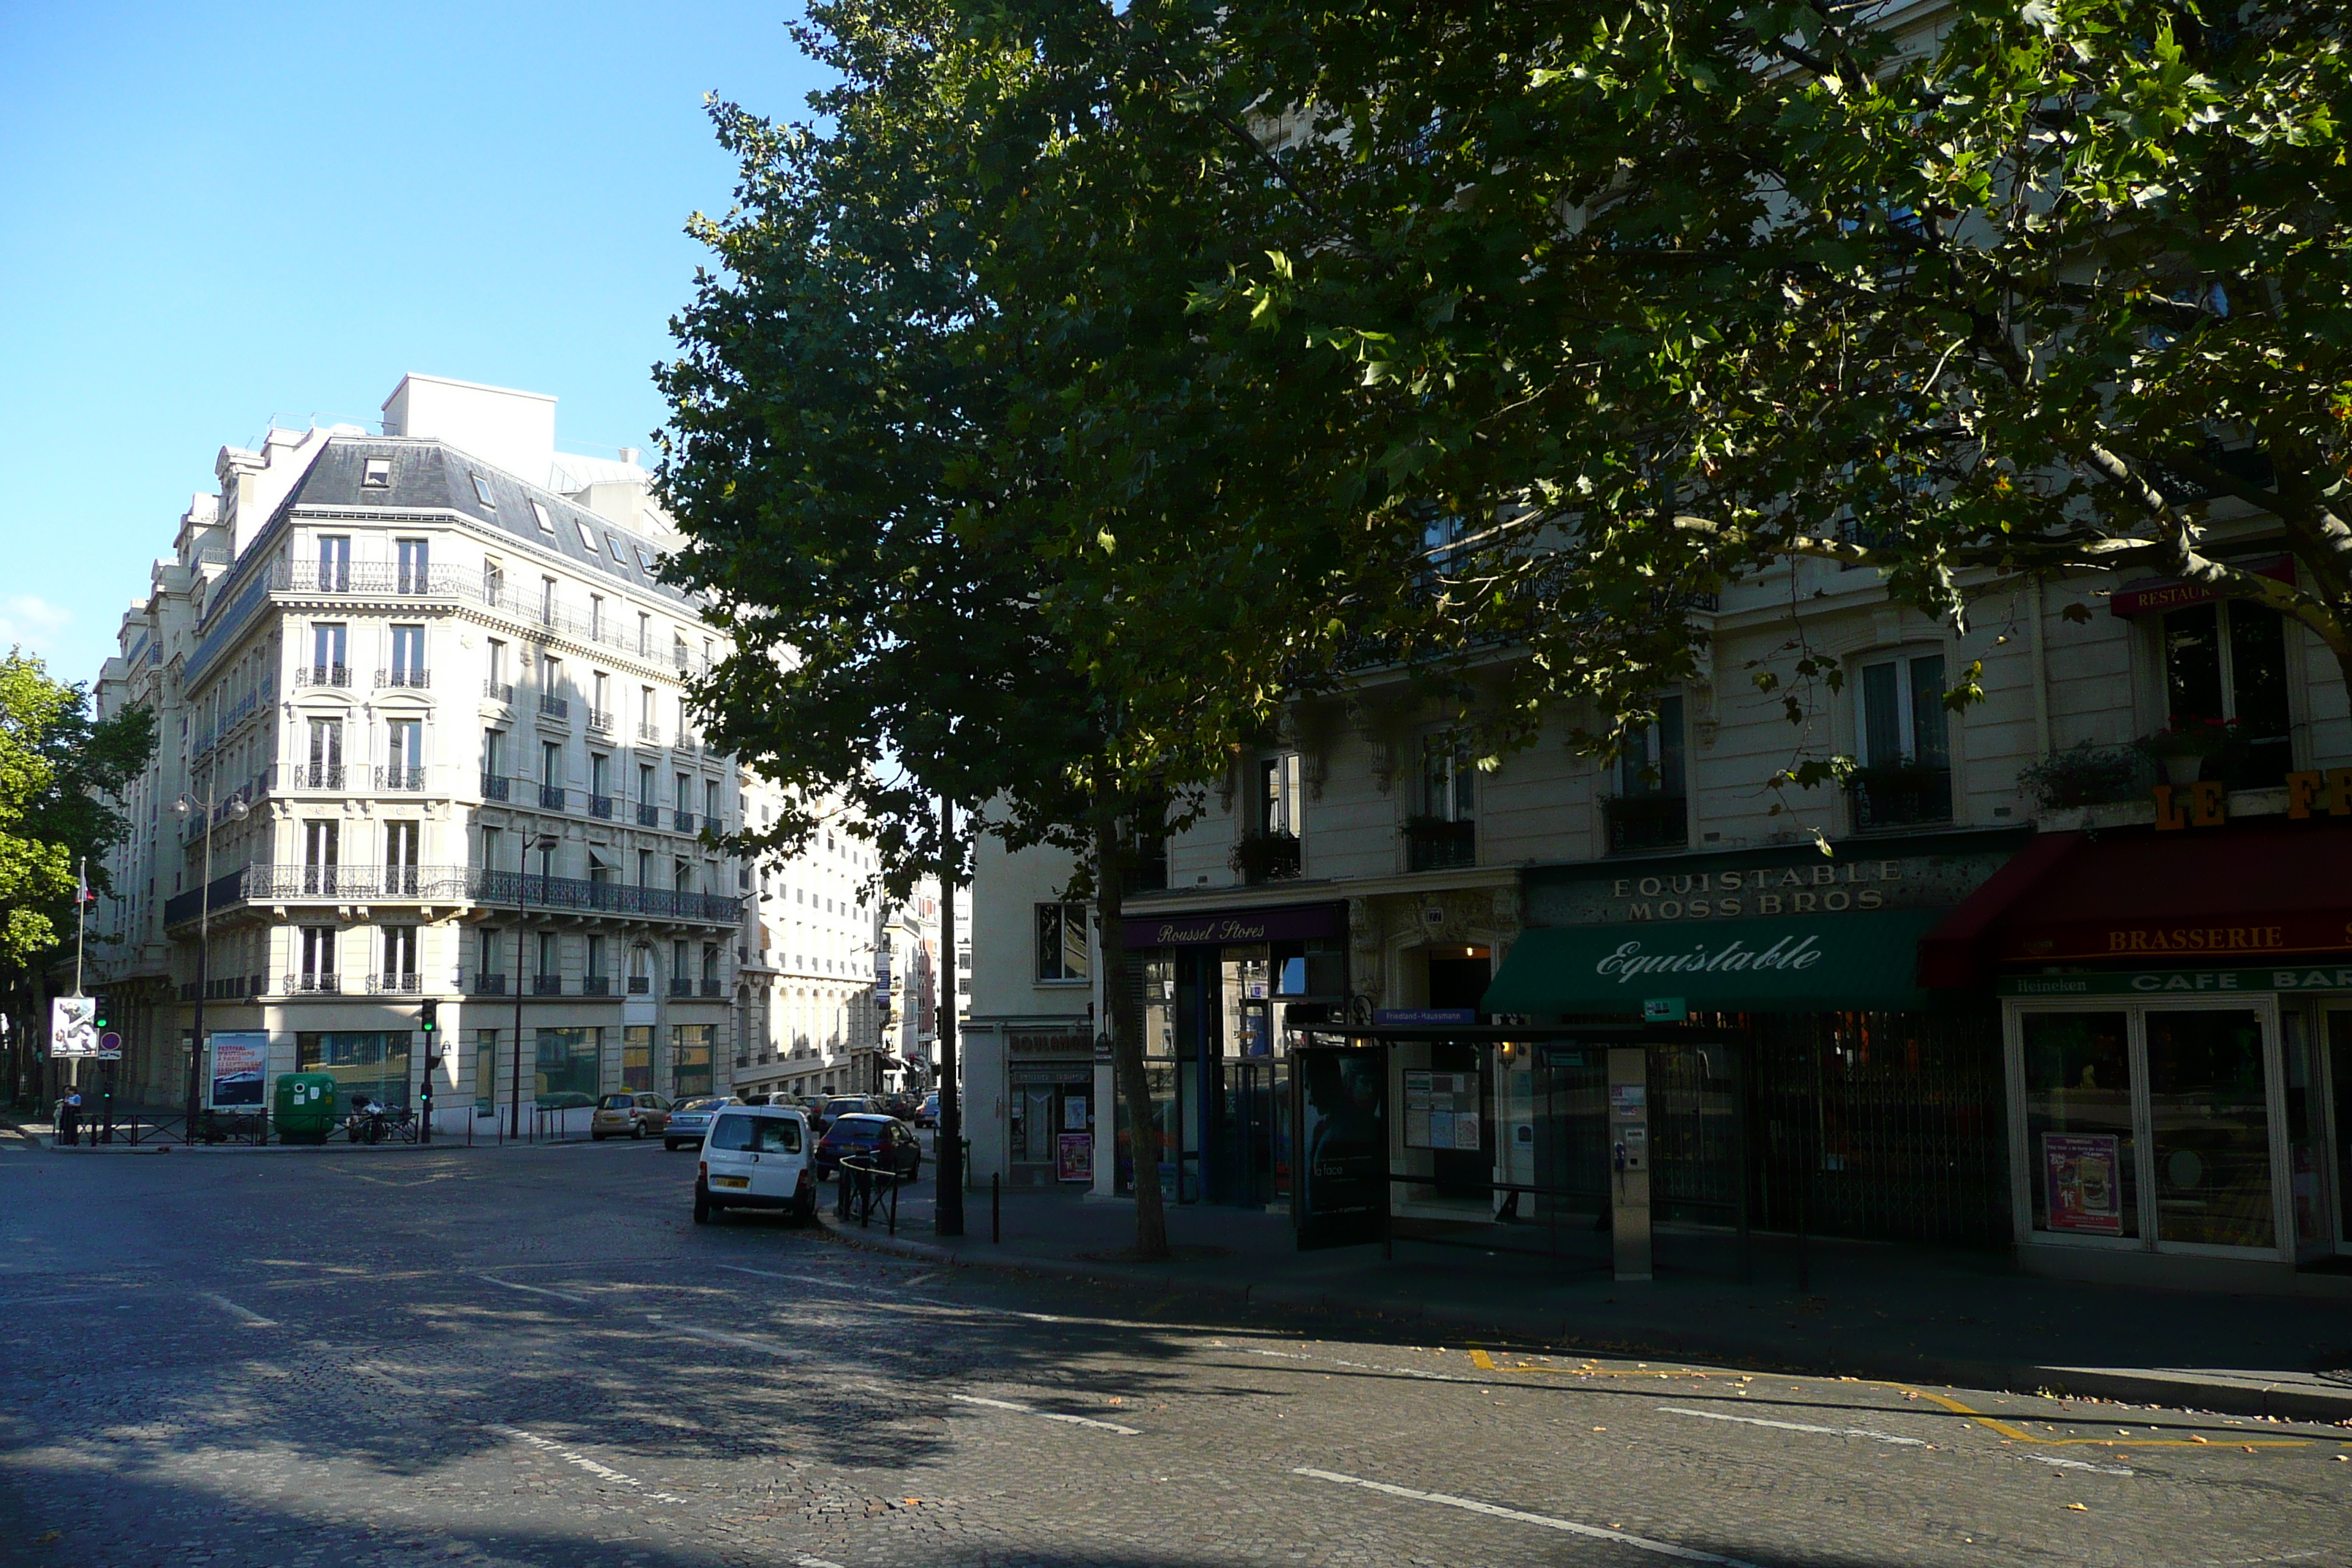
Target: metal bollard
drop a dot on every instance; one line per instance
(995, 1207)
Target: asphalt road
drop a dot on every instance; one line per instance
(378, 1357)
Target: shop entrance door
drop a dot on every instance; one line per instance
(2329, 1115)
(1251, 1167)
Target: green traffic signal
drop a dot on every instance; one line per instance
(428, 1014)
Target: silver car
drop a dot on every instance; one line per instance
(690, 1120)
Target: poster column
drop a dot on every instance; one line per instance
(1629, 1160)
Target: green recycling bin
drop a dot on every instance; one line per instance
(304, 1107)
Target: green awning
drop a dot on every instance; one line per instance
(1805, 963)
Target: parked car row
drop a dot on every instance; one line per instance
(765, 1152)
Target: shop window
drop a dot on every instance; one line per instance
(2209, 1117)
(2226, 664)
(486, 1072)
(1652, 807)
(1062, 942)
(2082, 1164)
(565, 1062)
(373, 1063)
(1904, 779)
(637, 1056)
(689, 1045)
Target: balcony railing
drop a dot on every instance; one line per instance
(394, 985)
(1645, 821)
(481, 985)
(601, 806)
(393, 776)
(600, 722)
(369, 577)
(316, 775)
(641, 985)
(322, 674)
(596, 985)
(448, 885)
(415, 679)
(709, 985)
(494, 786)
(649, 734)
(551, 796)
(499, 691)
(683, 821)
(681, 985)
(547, 985)
(314, 985)
(648, 815)
(554, 706)
(1266, 858)
(1887, 798)
(1434, 844)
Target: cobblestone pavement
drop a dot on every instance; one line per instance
(532, 1356)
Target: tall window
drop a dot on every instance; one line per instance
(596, 956)
(548, 963)
(400, 845)
(1903, 713)
(326, 765)
(318, 956)
(486, 1072)
(2226, 663)
(550, 763)
(405, 754)
(400, 958)
(321, 852)
(645, 635)
(410, 574)
(600, 767)
(600, 686)
(494, 583)
(494, 753)
(1061, 941)
(328, 641)
(334, 564)
(1449, 780)
(596, 616)
(710, 800)
(547, 600)
(491, 959)
(1278, 795)
(648, 726)
(408, 655)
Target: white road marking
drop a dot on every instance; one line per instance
(251, 1319)
(535, 1290)
(2079, 1465)
(746, 1341)
(1044, 1415)
(1639, 1543)
(518, 1435)
(1367, 1366)
(1800, 1426)
(802, 1559)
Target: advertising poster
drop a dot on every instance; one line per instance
(1342, 1196)
(1073, 1157)
(1441, 1110)
(241, 1061)
(2084, 1172)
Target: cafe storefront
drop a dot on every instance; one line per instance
(2177, 1028)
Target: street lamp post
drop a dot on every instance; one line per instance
(531, 841)
(187, 805)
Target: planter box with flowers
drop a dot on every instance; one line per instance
(2186, 750)
(1266, 858)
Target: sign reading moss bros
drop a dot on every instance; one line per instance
(1878, 873)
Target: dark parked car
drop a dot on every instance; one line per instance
(902, 1106)
(824, 1109)
(869, 1135)
(690, 1120)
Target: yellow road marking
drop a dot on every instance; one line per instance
(1485, 1362)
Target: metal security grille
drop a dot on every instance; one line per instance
(1880, 1126)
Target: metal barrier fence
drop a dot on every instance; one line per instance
(865, 1187)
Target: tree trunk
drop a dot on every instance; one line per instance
(1127, 1039)
(947, 1164)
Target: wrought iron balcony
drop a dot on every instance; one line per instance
(1645, 821)
(641, 985)
(314, 985)
(596, 985)
(494, 787)
(649, 734)
(317, 775)
(554, 706)
(1900, 797)
(415, 679)
(394, 985)
(1435, 845)
(445, 885)
(547, 985)
(395, 777)
(648, 815)
(601, 806)
(322, 674)
(709, 985)
(551, 796)
(483, 984)
(601, 722)
(499, 691)
(683, 821)
(1267, 857)
(681, 985)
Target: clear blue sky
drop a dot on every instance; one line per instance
(212, 213)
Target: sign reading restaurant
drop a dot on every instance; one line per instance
(1923, 872)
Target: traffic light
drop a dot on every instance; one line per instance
(98, 1009)
(428, 1018)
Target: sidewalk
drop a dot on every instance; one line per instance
(1874, 1311)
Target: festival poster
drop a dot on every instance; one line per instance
(241, 1062)
(2083, 1175)
(1075, 1157)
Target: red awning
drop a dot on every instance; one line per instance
(2165, 594)
(2238, 894)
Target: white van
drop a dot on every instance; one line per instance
(757, 1157)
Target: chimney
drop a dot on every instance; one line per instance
(629, 455)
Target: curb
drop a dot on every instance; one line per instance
(2122, 1384)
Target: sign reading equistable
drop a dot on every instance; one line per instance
(1798, 965)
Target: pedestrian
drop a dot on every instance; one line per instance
(69, 1117)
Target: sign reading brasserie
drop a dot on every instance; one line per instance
(1748, 884)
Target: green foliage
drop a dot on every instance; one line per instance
(2085, 774)
(58, 771)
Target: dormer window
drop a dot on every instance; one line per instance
(376, 475)
(587, 539)
(613, 543)
(546, 523)
(646, 560)
(482, 491)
